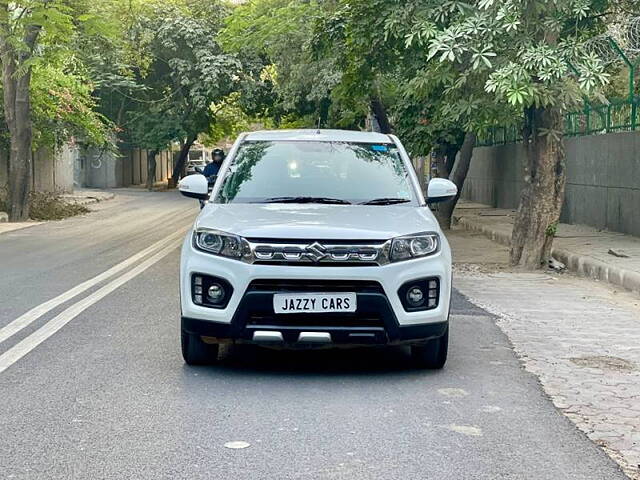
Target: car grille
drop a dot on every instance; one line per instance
(315, 286)
(319, 252)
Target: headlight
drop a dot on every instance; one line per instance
(221, 243)
(414, 246)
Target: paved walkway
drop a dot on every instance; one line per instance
(607, 256)
(579, 337)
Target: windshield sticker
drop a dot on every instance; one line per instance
(380, 148)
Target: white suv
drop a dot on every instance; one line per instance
(316, 238)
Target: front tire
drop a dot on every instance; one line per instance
(196, 352)
(433, 354)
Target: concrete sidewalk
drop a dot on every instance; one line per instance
(607, 256)
(580, 338)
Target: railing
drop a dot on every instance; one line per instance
(500, 136)
(617, 116)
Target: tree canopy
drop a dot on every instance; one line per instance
(155, 73)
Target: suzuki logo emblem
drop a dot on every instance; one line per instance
(316, 252)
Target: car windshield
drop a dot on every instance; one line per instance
(317, 172)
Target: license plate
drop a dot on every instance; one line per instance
(315, 303)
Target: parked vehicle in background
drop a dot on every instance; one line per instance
(199, 157)
(316, 239)
(195, 166)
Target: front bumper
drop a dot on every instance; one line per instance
(380, 318)
(222, 333)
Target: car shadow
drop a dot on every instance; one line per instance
(252, 359)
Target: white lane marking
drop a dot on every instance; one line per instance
(32, 315)
(19, 350)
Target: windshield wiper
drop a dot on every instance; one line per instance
(334, 201)
(386, 201)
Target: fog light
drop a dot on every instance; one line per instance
(420, 295)
(415, 296)
(215, 293)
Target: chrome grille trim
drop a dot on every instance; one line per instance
(314, 253)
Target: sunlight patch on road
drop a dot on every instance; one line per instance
(490, 409)
(453, 392)
(468, 430)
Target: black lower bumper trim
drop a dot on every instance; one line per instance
(345, 335)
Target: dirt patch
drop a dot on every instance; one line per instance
(615, 364)
(48, 206)
(474, 253)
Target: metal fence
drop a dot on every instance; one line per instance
(617, 116)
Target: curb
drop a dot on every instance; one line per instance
(89, 200)
(580, 264)
(503, 238)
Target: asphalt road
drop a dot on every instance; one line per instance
(95, 387)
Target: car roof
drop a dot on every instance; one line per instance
(315, 135)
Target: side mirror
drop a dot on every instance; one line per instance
(194, 186)
(441, 190)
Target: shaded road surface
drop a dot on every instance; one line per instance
(102, 392)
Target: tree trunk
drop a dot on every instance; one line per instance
(181, 162)
(380, 112)
(17, 108)
(16, 80)
(420, 164)
(442, 164)
(151, 169)
(458, 176)
(543, 194)
(450, 156)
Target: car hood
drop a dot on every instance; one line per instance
(319, 222)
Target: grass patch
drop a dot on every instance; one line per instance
(48, 206)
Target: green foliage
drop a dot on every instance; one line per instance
(161, 71)
(526, 54)
(384, 54)
(230, 121)
(63, 107)
(43, 34)
(287, 79)
(168, 72)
